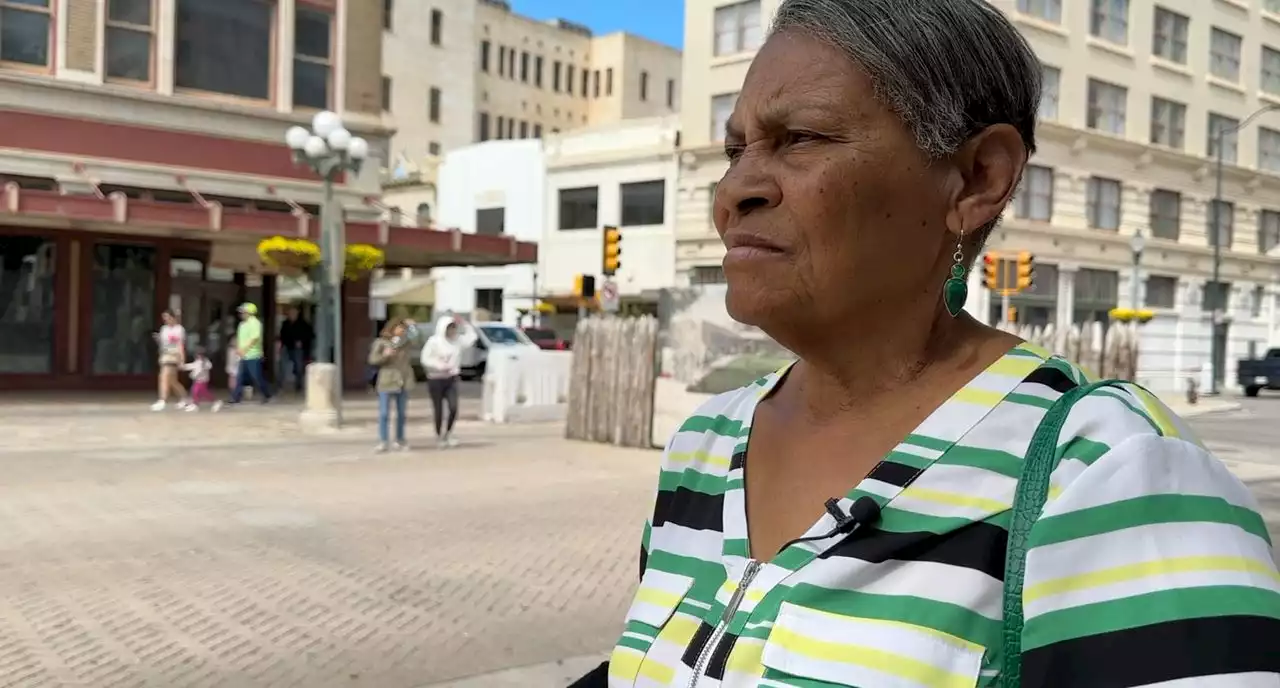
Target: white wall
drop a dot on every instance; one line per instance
(494, 174)
(607, 157)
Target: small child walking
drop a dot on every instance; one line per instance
(233, 371)
(199, 370)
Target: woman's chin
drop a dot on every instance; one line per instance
(751, 305)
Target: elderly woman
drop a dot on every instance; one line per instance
(850, 520)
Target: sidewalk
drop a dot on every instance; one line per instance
(550, 675)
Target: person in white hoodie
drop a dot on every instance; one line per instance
(442, 362)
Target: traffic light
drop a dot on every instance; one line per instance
(584, 286)
(991, 271)
(1013, 314)
(612, 251)
(1026, 270)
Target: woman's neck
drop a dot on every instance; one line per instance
(850, 370)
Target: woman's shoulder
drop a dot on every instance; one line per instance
(717, 429)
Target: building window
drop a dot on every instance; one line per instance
(537, 71)
(1268, 230)
(1216, 293)
(578, 207)
(130, 34)
(437, 27)
(1230, 142)
(524, 67)
(1224, 55)
(595, 84)
(484, 126)
(643, 203)
(1168, 123)
(27, 311)
(433, 148)
(568, 79)
(721, 110)
(433, 109)
(484, 56)
(388, 11)
(1268, 149)
(608, 81)
(124, 300)
(1104, 203)
(1169, 39)
(386, 94)
(644, 86)
(489, 300)
(491, 221)
(737, 28)
(1161, 291)
(555, 76)
(1225, 212)
(524, 129)
(537, 131)
(511, 127)
(423, 215)
(1107, 107)
(671, 93)
(1050, 81)
(1034, 197)
(511, 62)
(707, 274)
(1166, 214)
(585, 83)
(1270, 69)
(1109, 20)
(25, 31)
(311, 61)
(1255, 305)
(224, 46)
(1048, 10)
(502, 60)
(497, 134)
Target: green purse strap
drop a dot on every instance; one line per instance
(1028, 502)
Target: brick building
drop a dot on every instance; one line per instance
(142, 159)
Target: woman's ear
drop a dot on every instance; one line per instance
(990, 165)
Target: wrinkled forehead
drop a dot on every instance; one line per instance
(797, 75)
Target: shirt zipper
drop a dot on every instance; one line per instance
(753, 567)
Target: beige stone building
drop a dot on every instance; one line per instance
(464, 71)
(1134, 92)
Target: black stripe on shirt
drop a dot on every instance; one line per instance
(696, 644)
(894, 473)
(738, 460)
(979, 546)
(1185, 649)
(720, 657)
(685, 507)
(1052, 378)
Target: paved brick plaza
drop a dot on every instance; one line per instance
(178, 550)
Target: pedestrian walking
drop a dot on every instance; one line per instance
(390, 355)
(199, 369)
(171, 342)
(296, 337)
(441, 360)
(249, 348)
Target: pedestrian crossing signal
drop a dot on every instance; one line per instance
(584, 286)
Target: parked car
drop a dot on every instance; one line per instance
(546, 338)
(492, 336)
(1258, 374)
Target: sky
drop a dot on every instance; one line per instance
(657, 20)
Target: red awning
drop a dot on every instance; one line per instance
(404, 246)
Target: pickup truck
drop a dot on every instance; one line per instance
(1256, 375)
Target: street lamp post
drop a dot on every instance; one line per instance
(1219, 294)
(1136, 245)
(330, 150)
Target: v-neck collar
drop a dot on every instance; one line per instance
(932, 438)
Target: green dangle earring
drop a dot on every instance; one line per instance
(955, 291)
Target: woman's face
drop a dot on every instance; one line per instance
(167, 318)
(829, 211)
(398, 330)
(451, 332)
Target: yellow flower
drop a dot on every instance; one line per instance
(288, 254)
(362, 259)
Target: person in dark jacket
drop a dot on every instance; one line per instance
(296, 337)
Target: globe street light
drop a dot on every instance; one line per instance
(330, 150)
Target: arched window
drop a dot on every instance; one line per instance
(424, 214)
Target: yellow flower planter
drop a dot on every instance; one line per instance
(297, 256)
(363, 259)
(1140, 315)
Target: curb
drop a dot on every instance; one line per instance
(1195, 411)
(557, 674)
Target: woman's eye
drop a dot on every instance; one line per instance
(796, 137)
(733, 151)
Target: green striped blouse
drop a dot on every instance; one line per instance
(1149, 566)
